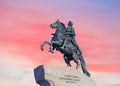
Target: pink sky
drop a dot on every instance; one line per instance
(24, 25)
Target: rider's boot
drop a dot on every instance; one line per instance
(63, 46)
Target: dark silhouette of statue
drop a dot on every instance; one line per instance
(63, 40)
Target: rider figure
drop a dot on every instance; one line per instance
(70, 36)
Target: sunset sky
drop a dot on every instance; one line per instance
(25, 25)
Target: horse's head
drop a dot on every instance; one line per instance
(57, 24)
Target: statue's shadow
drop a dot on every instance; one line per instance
(39, 76)
(44, 83)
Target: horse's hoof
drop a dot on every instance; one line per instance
(51, 51)
(68, 65)
(42, 48)
(77, 66)
(87, 74)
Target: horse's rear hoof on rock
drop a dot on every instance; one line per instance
(87, 74)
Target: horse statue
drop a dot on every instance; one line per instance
(70, 52)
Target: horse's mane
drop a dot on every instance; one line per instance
(63, 24)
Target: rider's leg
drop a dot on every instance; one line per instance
(64, 43)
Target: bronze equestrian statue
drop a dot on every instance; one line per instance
(63, 40)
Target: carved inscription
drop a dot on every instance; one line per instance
(70, 78)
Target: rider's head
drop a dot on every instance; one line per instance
(70, 23)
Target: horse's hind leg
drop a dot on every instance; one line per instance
(75, 58)
(45, 42)
(67, 61)
(83, 65)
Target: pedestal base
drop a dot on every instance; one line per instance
(48, 75)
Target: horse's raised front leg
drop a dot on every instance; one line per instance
(55, 43)
(51, 47)
(45, 42)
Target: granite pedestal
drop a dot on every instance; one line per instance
(49, 75)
